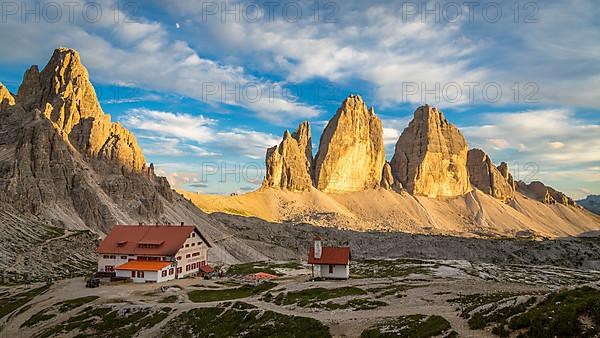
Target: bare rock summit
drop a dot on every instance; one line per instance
(63, 93)
(288, 165)
(486, 177)
(351, 155)
(62, 159)
(6, 98)
(431, 156)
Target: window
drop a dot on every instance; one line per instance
(109, 268)
(179, 269)
(171, 271)
(113, 257)
(187, 245)
(178, 258)
(106, 256)
(140, 274)
(195, 254)
(193, 244)
(193, 234)
(132, 274)
(187, 256)
(123, 257)
(330, 268)
(199, 243)
(164, 273)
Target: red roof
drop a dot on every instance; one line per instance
(330, 255)
(263, 275)
(143, 265)
(206, 268)
(160, 240)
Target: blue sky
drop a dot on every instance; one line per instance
(185, 76)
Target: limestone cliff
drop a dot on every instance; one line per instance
(351, 154)
(486, 177)
(62, 159)
(431, 156)
(288, 165)
(64, 94)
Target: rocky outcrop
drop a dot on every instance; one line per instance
(64, 94)
(351, 154)
(6, 98)
(545, 194)
(62, 159)
(387, 179)
(288, 165)
(486, 177)
(503, 168)
(431, 156)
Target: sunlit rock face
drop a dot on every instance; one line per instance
(543, 193)
(62, 158)
(431, 156)
(351, 154)
(63, 93)
(486, 177)
(288, 165)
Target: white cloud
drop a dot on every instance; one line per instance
(182, 126)
(195, 135)
(563, 147)
(143, 53)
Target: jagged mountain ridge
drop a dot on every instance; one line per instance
(63, 158)
(63, 163)
(433, 184)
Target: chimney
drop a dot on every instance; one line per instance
(317, 247)
(181, 223)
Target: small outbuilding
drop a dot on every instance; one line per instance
(330, 261)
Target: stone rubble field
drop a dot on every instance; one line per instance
(383, 298)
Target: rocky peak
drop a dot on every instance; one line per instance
(351, 154)
(431, 156)
(303, 136)
(64, 94)
(486, 177)
(6, 97)
(288, 165)
(504, 171)
(62, 91)
(63, 159)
